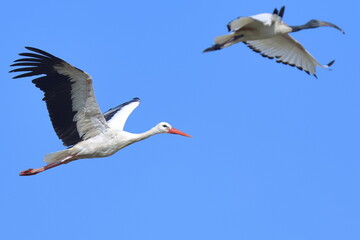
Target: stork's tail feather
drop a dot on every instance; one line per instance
(56, 156)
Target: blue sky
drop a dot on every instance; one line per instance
(275, 152)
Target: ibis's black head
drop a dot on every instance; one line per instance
(317, 23)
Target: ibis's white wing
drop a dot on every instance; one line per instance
(288, 51)
(117, 116)
(238, 23)
(68, 93)
(265, 19)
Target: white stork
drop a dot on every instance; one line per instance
(268, 35)
(75, 114)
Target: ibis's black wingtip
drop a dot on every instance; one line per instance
(281, 12)
(276, 12)
(228, 27)
(330, 63)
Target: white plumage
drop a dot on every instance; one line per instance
(268, 35)
(75, 114)
(119, 119)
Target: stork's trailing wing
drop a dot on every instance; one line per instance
(116, 117)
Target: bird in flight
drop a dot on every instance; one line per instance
(75, 114)
(267, 34)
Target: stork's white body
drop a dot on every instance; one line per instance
(102, 145)
(105, 144)
(75, 114)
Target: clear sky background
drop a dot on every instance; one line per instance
(275, 153)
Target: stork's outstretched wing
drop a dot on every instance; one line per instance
(68, 93)
(116, 117)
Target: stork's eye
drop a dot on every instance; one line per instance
(165, 126)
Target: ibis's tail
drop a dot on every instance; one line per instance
(56, 156)
(223, 41)
(213, 48)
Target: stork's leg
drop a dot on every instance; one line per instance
(31, 171)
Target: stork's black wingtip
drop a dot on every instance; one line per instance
(11, 71)
(32, 49)
(37, 50)
(315, 76)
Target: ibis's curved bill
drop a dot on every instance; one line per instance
(267, 34)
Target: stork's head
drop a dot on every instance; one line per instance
(165, 127)
(317, 23)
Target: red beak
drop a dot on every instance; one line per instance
(175, 131)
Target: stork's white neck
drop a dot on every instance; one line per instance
(141, 136)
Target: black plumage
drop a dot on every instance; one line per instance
(56, 88)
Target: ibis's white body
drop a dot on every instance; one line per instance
(260, 26)
(268, 35)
